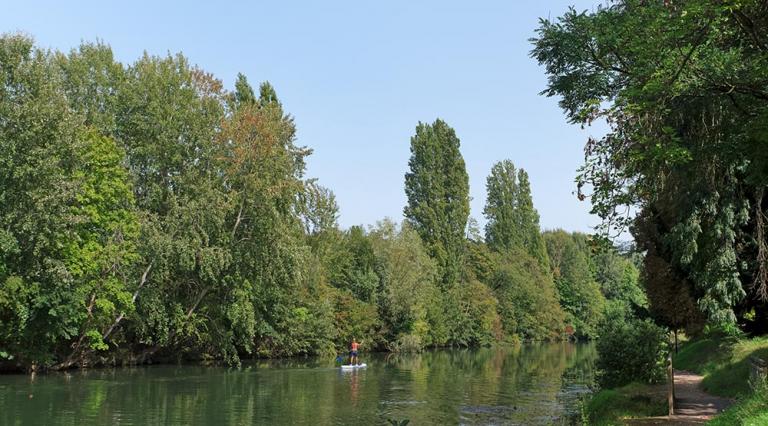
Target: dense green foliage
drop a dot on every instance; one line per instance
(512, 219)
(111, 252)
(682, 86)
(150, 214)
(684, 167)
(514, 260)
(528, 300)
(631, 350)
(580, 293)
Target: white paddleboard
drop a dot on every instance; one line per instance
(352, 367)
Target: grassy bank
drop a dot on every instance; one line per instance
(751, 410)
(724, 363)
(609, 406)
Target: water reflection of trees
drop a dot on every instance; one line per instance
(506, 384)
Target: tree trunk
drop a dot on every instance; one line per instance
(675, 341)
(760, 284)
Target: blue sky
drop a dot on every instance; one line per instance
(357, 76)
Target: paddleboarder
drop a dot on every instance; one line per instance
(353, 352)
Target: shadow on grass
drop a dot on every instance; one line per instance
(732, 379)
(705, 356)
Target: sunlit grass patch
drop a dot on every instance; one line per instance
(750, 411)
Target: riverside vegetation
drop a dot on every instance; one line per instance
(682, 87)
(148, 214)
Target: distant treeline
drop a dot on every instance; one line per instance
(147, 213)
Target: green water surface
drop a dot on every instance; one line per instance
(532, 384)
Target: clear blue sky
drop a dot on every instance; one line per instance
(357, 76)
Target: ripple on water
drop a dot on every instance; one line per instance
(402, 402)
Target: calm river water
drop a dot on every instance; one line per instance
(532, 384)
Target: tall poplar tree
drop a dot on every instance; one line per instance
(501, 232)
(437, 187)
(512, 219)
(243, 91)
(528, 220)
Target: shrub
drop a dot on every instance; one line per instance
(631, 350)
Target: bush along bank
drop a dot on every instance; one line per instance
(632, 354)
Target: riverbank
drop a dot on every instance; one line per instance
(724, 364)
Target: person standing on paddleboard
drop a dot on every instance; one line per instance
(353, 352)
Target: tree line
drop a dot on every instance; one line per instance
(147, 214)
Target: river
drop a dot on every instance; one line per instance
(529, 384)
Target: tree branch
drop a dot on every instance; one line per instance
(688, 56)
(748, 26)
(133, 300)
(239, 218)
(760, 284)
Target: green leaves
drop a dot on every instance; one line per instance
(631, 350)
(681, 86)
(529, 304)
(408, 283)
(513, 222)
(437, 187)
(580, 295)
(95, 341)
(106, 169)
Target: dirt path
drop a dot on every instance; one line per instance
(692, 404)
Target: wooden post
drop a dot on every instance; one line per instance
(671, 379)
(675, 341)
